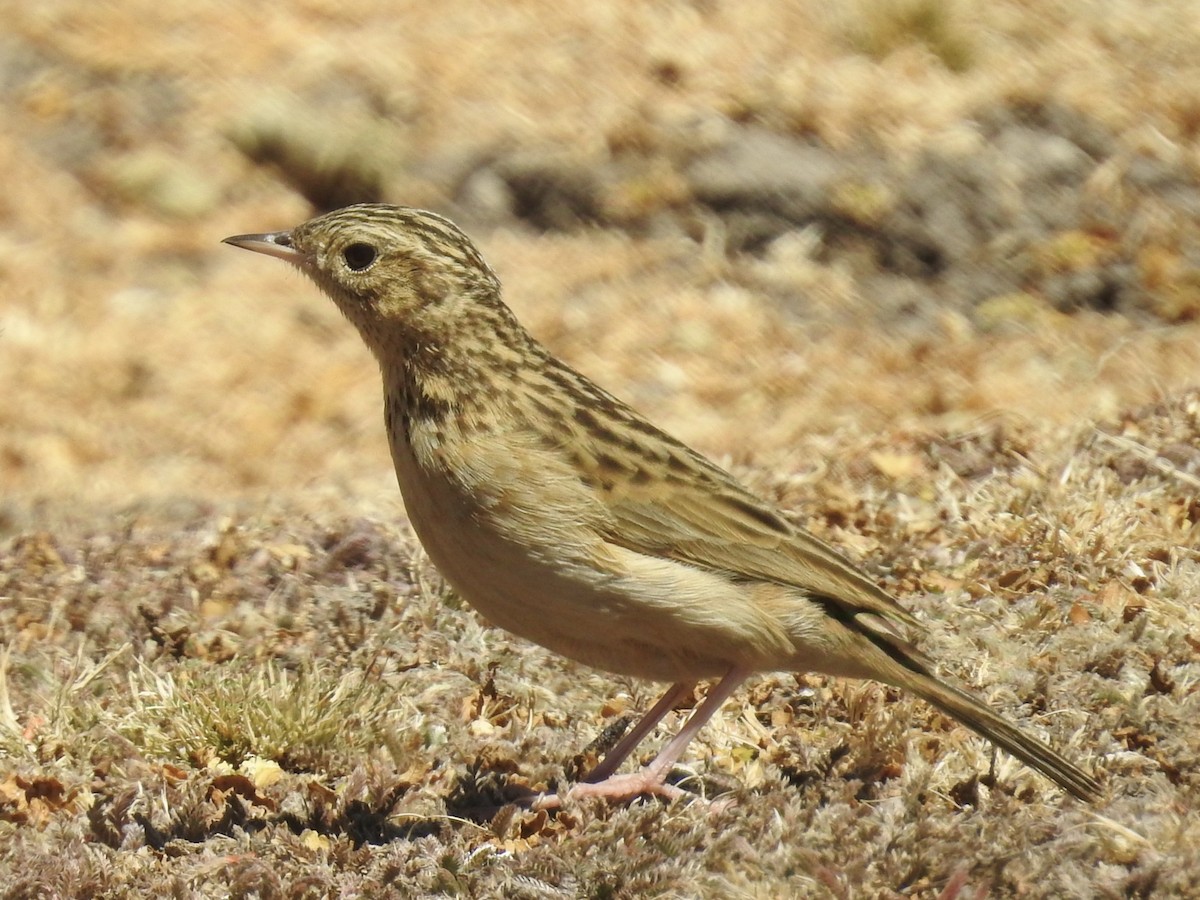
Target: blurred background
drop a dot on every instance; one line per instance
(774, 228)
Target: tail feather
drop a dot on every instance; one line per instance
(895, 661)
(1004, 734)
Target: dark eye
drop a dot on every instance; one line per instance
(358, 256)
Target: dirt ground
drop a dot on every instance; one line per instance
(927, 275)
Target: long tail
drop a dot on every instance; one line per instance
(1003, 733)
(882, 654)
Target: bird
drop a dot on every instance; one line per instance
(565, 517)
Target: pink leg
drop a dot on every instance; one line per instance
(651, 779)
(617, 755)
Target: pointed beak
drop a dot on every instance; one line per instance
(278, 244)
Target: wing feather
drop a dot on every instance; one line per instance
(710, 520)
(664, 499)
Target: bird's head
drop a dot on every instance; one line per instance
(405, 277)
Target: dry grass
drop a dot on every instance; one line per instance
(227, 668)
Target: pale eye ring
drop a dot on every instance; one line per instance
(359, 256)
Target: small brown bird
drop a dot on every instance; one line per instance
(565, 517)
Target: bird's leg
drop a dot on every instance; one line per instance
(658, 770)
(652, 779)
(617, 755)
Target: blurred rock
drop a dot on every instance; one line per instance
(757, 169)
(160, 181)
(332, 164)
(1038, 206)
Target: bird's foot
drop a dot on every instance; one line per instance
(615, 789)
